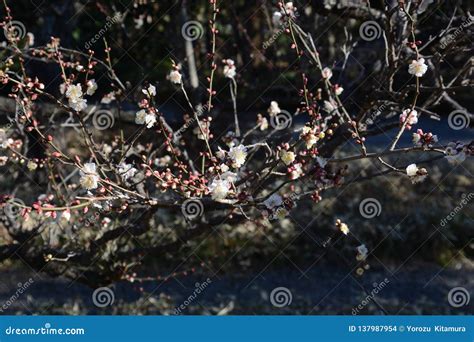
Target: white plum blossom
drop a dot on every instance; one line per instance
(274, 108)
(89, 177)
(326, 73)
(74, 95)
(276, 18)
(74, 92)
(329, 106)
(175, 77)
(416, 175)
(338, 89)
(78, 105)
(126, 171)
(143, 117)
(62, 88)
(91, 87)
(273, 201)
(5, 142)
(238, 155)
(150, 91)
(66, 215)
(362, 252)
(418, 67)
(296, 171)
(287, 157)
(219, 189)
(412, 117)
(108, 98)
(455, 153)
(229, 68)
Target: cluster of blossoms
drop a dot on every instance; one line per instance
(409, 115)
(287, 9)
(74, 94)
(146, 116)
(416, 174)
(424, 139)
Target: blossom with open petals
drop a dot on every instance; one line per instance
(219, 189)
(238, 155)
(418, 67)
(89, 177)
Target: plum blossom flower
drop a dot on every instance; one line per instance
(329, 106)
(126, 171)
(262, 122)
(108, 98)
(342, 227)
(273, 201)
(412, 117)
(455, 152)
(150, 91)
(417, 67)
(175, 77)
(219, 189)
(89, 177)
(309, 136)
(5, 142)
(274, 108)
(74, 95)
(142, 117)
(287, 157)
(416, 175)
(362, 252)
(229, 68)
(326, 73)
(91, 87)
(78, 105)
(296, 171)
(238, 155)
(338, 89)
(74, 92)
(276, 18)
